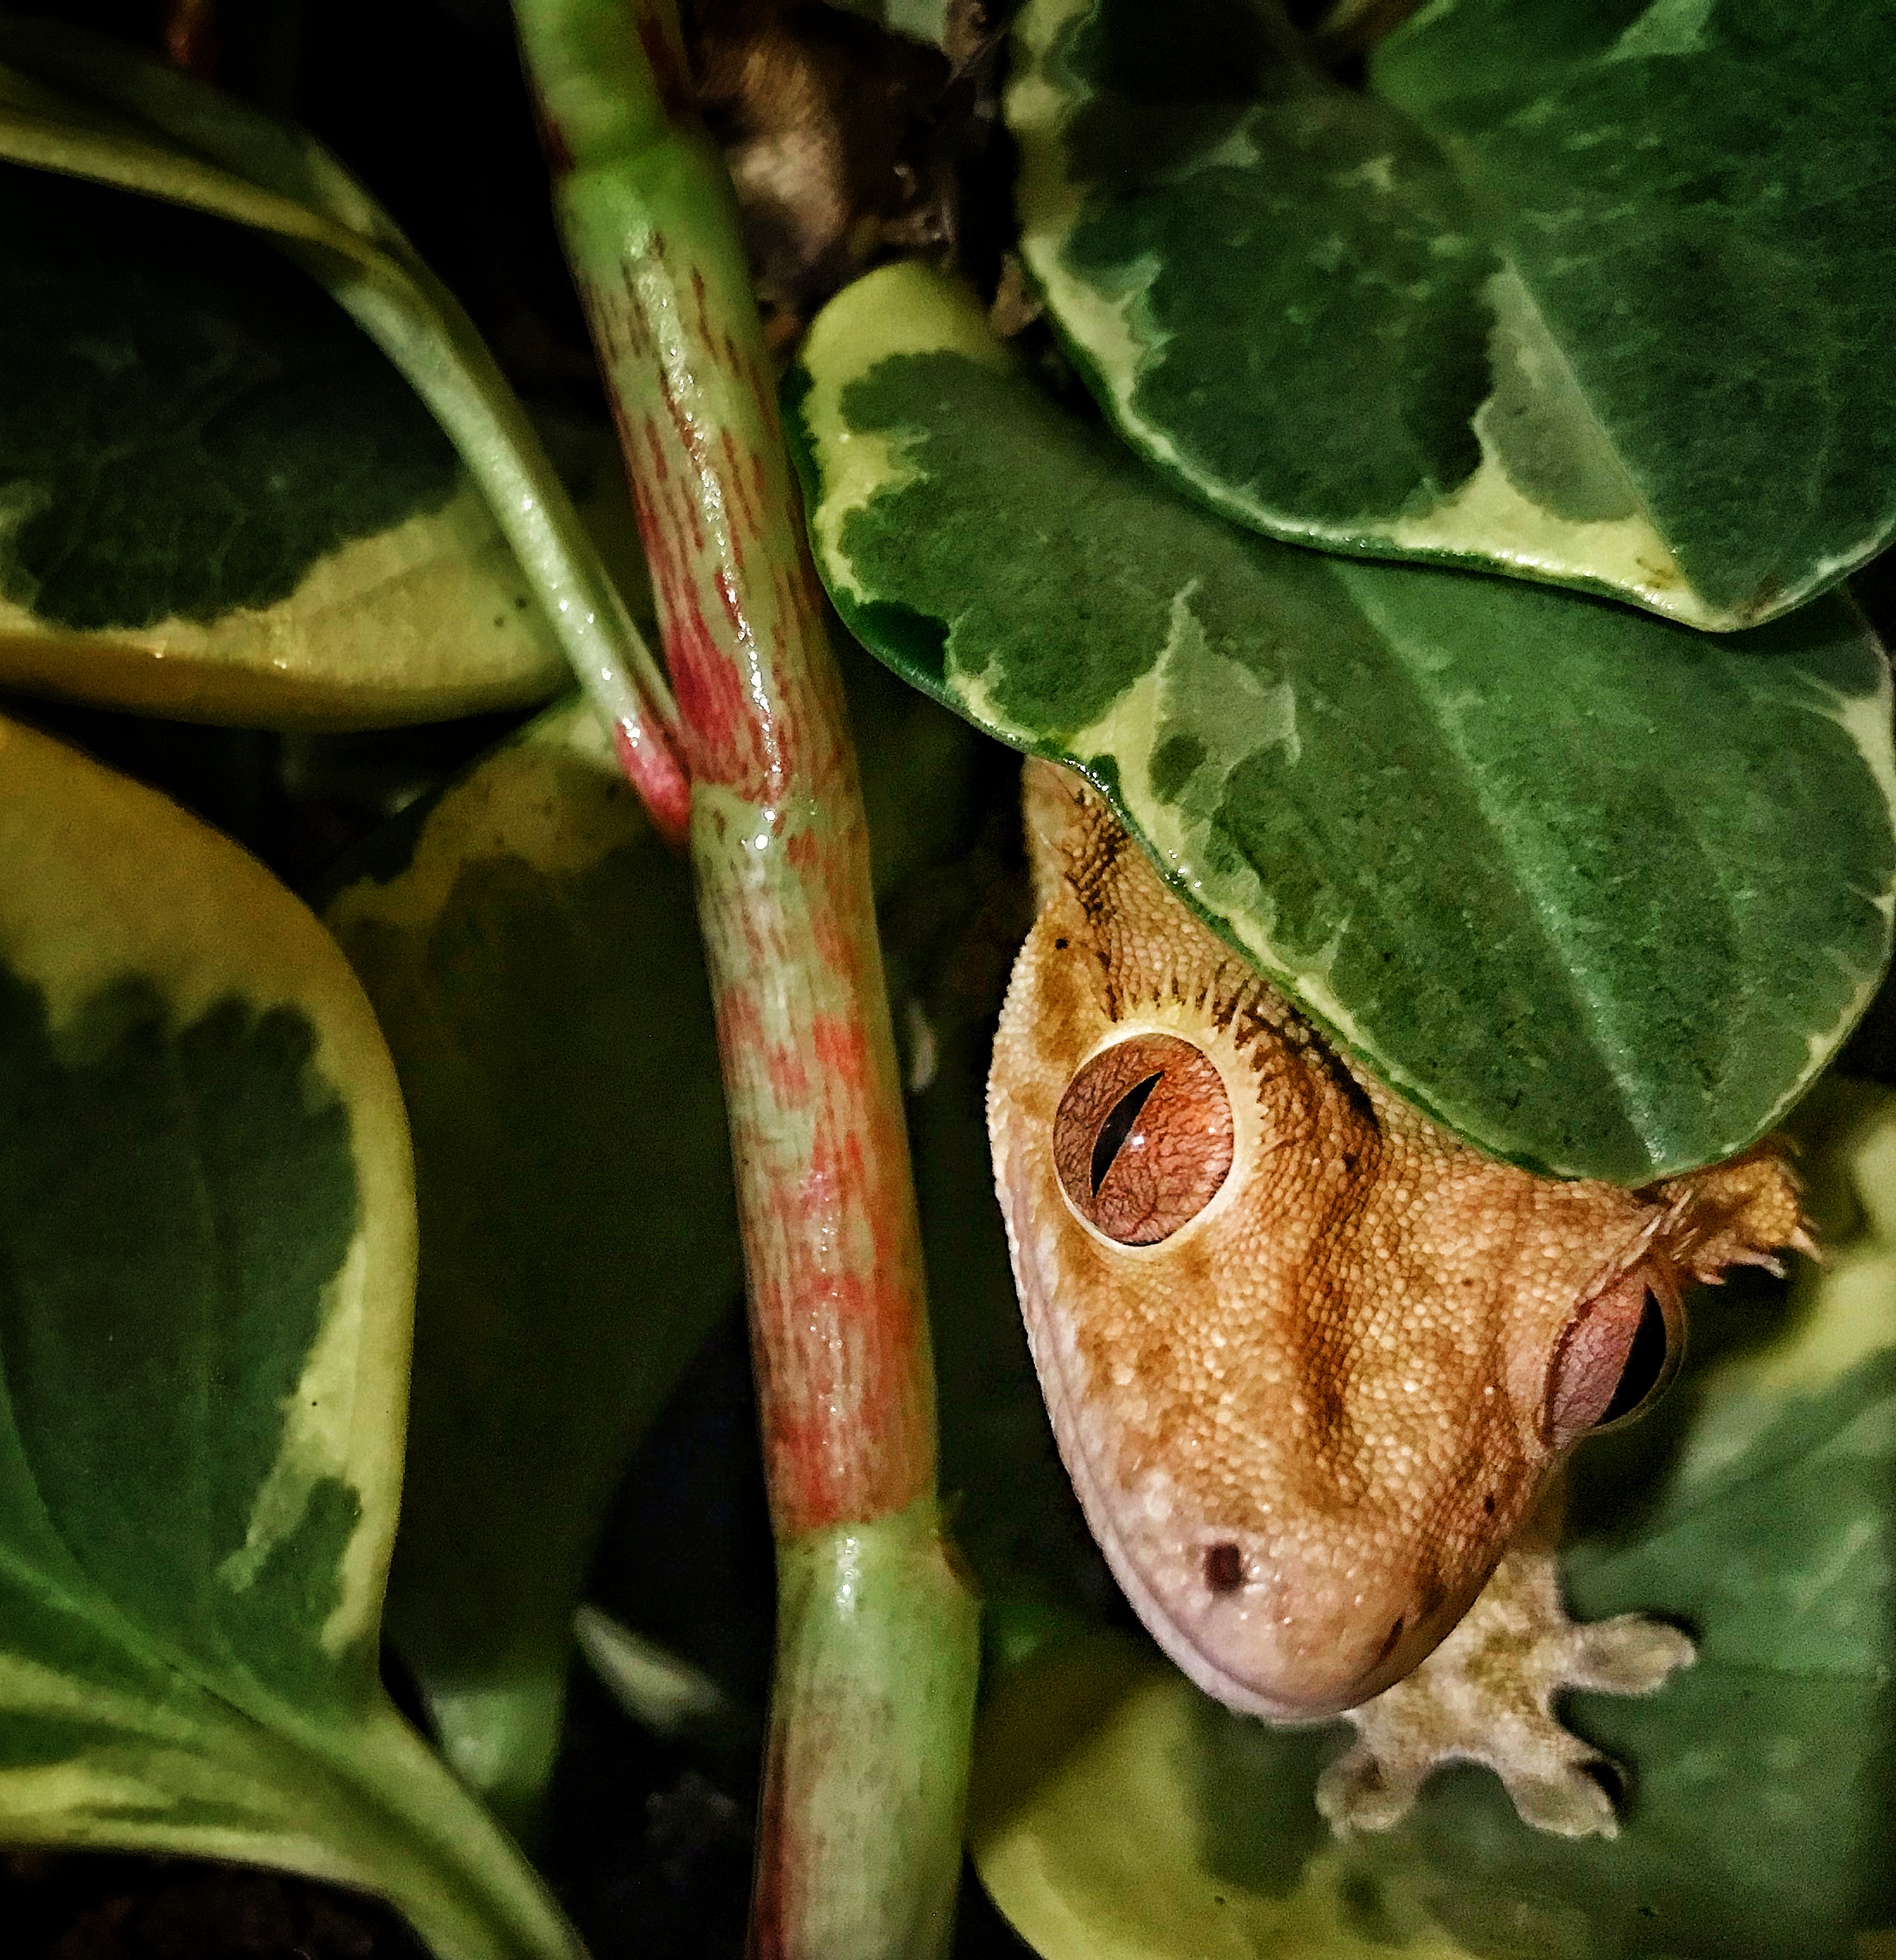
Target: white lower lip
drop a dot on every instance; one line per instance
(1202, 1668)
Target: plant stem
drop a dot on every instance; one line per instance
(877, 1647)
(200, 149)
(502, 453)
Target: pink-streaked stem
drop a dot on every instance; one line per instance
(859, 1839)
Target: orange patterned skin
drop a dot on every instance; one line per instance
(1308, 1394)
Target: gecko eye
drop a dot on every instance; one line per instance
(1142, 1138)
(1618, 1353)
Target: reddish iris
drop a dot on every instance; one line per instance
(1618, 1351)
(1143, 1139)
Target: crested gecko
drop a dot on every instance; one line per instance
(1314, 1364)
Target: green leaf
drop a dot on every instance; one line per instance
(208, 1231)
(221, 501)
(532, 953)
(81, 106)
(531, 949)
(1117, 1811)
(1599, 893)
(1601, 295)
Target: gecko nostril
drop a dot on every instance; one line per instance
(1388, 1641)
(1223, 1568)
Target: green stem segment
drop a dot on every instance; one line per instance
(877, 1644)
(504, 454)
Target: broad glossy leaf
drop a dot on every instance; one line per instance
(1117, 1812)
(208, 1230)
(1602, 295)
(531, 949)
(77, 105)
(218, 501)
(1601, 893)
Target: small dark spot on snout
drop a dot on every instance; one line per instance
(1060, 945)
(1223, 1568)
(1487, 1504)
(1389, 1640)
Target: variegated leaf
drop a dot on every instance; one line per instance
(218, 501)
(207, 1215)
(1597, 295)
(1601, 893)
(530, 947)
(81, 106)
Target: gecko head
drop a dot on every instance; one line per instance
(1310, 1359)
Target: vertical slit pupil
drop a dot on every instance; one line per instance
(1645, 1363)
(1120, 1118)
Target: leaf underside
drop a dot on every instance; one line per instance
(1605, 296)
(1600, 893)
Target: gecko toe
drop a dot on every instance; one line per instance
(1567, 1802)
(1630, 1655)
(1361, 1791)
(1486, 1695)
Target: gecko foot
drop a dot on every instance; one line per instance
(1486, 1695)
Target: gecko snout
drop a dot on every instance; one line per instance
(1278, 1629)
(1325, 1654)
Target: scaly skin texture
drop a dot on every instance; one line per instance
(1306, 1422)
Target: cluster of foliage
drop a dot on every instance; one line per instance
(1423, 508)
